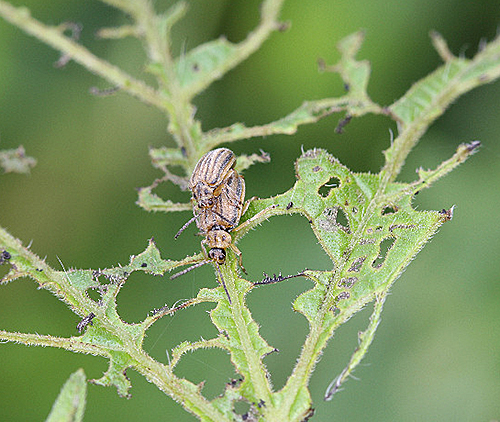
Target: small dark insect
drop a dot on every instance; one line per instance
(4, 256)
(343, 123)
(85, 321)
(277, 278)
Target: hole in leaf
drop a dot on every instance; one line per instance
(342, 220)
(209, 367)
(325, 189)
(334, 220)
(389, 210)
(241, 407)
(94, 294)
(385, 247)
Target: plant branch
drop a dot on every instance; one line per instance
(258, 381)
(429, 98)
(270, 10)
(365, 340)
(309, 112)
(74, 344)
(54, 37)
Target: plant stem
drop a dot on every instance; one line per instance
(53, 36)
(257, 372)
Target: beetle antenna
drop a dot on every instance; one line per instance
(192, 267)
(184, 227)
(222, 282)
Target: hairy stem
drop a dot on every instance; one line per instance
(54, 37)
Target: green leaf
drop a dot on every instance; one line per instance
(245, 161)
(355, 74)
(356, 102)
(370, 237)
(70, 404)
(149, 261)
(429, 97)
(164, 156)
(152, 202)
(116, 374)
(240, 336)
(201, 66)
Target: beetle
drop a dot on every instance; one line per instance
(210, 174)
(218, 204)
(216, 222)
(227, 207)
(218, 192)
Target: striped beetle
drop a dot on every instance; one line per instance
(218, 203)
(210, 174)
(218, 192)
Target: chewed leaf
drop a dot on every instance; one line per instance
(241, 332)
(81, 279)
(149, 261)
(152, 202)
(370, 236)
(429, 97)
(354, 73)
(202, 65)
(166, 156)
(356, 102)
(116, 373)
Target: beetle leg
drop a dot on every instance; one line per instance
(258, 216)
(205, 253)
(238, 253)
(246, 204)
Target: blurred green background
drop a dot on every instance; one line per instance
(437, 352)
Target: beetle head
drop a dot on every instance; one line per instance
(218, 255)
